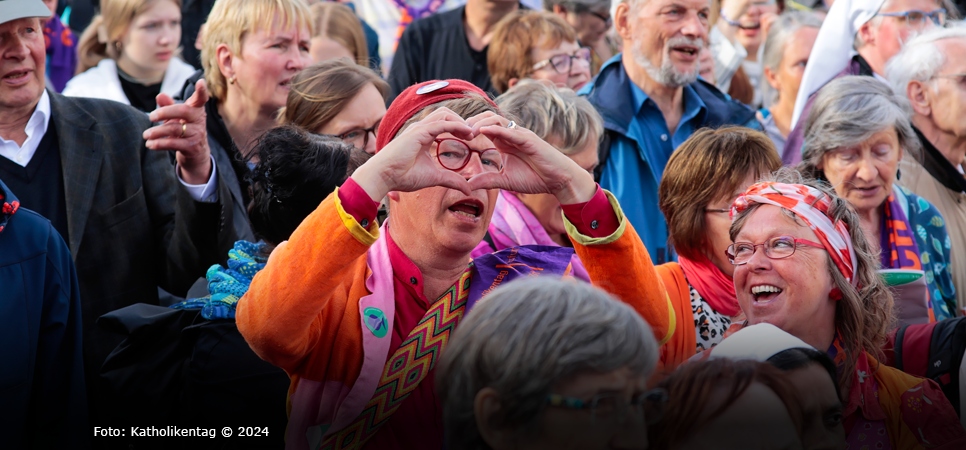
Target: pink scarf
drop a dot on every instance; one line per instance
(714, 286)
(513, 225)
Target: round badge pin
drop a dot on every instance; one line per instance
(375, 321)
(432, 87)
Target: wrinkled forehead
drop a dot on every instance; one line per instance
(766, 221)
(661, 4)
(953, 46)
(910, 5)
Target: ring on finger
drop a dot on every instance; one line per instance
(511, 125)
(184, 127)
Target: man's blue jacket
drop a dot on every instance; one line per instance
(626, 169)
(43, 401)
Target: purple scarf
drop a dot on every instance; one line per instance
(493, 270)
(513, 225)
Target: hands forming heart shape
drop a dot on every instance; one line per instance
(530, 166)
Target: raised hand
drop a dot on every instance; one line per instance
(184, 130)
(531, 165)
(407, 163)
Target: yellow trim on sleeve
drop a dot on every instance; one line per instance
(587, 240)
(366, 237)
(672, 322)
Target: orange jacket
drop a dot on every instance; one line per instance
(304, 311)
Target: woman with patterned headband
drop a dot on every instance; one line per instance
(804, 265)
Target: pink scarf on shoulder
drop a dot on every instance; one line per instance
(714, 286)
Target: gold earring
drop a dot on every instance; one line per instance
(231, 80)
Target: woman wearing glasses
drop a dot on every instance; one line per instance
(538, 45)
(856, 135)
(804, 264)
(700, 182)
(549, 364)
(340, 99)
(591, 20)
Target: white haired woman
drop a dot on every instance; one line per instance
(786, 52)
(572, 125)
(855, 136)
(548, 363)
(804, 265)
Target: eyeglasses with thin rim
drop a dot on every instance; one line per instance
(918, 18)
(613, 408)
(454, 154)
(355, 135)
(780, 247)
(564, 63)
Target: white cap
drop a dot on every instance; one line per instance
(833, 46)
(758, 342)
(11, 10)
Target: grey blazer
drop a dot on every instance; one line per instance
(132, 225)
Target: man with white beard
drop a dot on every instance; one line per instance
(652, 100)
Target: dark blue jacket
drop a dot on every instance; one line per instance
(43, 402)
(625, 169)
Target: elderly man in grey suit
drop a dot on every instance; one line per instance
(102, 176)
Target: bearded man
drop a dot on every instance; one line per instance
(652, 101)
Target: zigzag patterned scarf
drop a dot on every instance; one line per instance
(407, 367)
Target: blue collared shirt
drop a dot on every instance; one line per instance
(656, 141)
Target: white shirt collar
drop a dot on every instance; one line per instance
(35, 129)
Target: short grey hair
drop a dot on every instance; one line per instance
(553, 114)
(846, 112)
(526, 337)
(778, 36)
(578, 5)
(919, 60)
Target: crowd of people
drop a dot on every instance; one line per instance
(531, 226)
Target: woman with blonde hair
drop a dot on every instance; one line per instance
(129, 53)
(251, 52)
(338, 34)
(340, 99)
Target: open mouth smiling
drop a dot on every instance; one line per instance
(765, 293)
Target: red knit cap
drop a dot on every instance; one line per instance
(417, 97)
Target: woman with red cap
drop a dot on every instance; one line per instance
(357, 314)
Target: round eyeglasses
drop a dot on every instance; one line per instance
(455, 154)
(614, 409)
(564, 63)
(775, 248)
(359, 137)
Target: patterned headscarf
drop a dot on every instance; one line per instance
(811, 205)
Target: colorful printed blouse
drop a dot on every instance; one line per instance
(906, 214)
